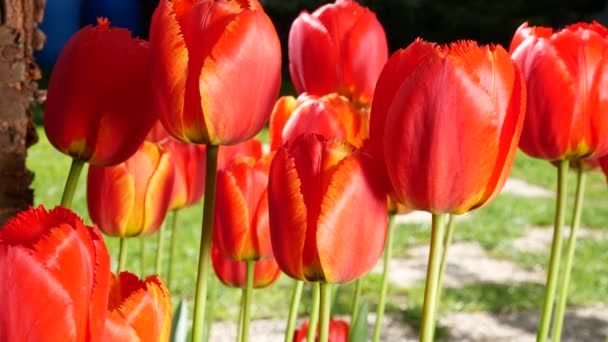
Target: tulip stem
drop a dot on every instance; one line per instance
(296, 296)
(200, 298)
(246, 302)
(122, 254)
(71, 183)
(388, 251)
(142, 256)
(444, 256)
(357, 300)
(556, 250)
(313, 318)
(431, 287)
(570, 248)
(159, 250)
(172, 248)
(324, 312)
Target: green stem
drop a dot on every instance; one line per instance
(325, 312)
(313, 315)
(172, 248)
(556, 250)
(210, 312)
(200, 298)
(71, 183)
(159, 250)
(388, 251)
(122, 255)
(431, 288)
(570, 248)
(444, 257)
(142, 256)
(296, 296)
(356, 300)
(246, 301)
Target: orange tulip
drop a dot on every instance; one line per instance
(327, 210)
(216, 67)
(240, 225)
(131, 198)
(98, 108)
(446, 120)
(340, 47)
(138, 310)
(54, 275)
(566, 73)
(233, 273)
(338, 331)
(332, 116)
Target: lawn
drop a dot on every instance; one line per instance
(494, 227)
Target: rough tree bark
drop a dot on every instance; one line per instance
(19, 37)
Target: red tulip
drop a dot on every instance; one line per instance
(332, 116)
(138, 310)
(249, 148)
(131, 198)
(327, 210)
(446, 120)
(566, 73)
(340, 47)
(216, 67)
(54, 275)
(234, 273)
(338, 331)
(240, 225)
(98, 108)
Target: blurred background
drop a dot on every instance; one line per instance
(440, 21)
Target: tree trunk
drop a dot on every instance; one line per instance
(19, 37)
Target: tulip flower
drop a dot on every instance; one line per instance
(338, 331)
(98, 108)
(189, 172)
(441, 128)
(203, 80)
(132, 198)
(233, 273)
(339, 48)
(446, 121)
(566, 73)
(138, 310)
(331, 116)
(55, 278)
(327, 210)
(240, 226)
(567, 81)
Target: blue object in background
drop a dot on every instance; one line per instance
(61, 20)
(122, 13)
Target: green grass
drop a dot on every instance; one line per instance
(493, 226)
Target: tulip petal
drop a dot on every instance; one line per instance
(537, 62)
(287, 214)
(304, 60)
(22, 275)
(281, 112)
(342, 232)
(314, 116)
(230, 59)
(116, 187)
(169, 76)
(231, 230)
(158, 195)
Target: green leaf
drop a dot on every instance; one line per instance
(179, 325)
(359, 329)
